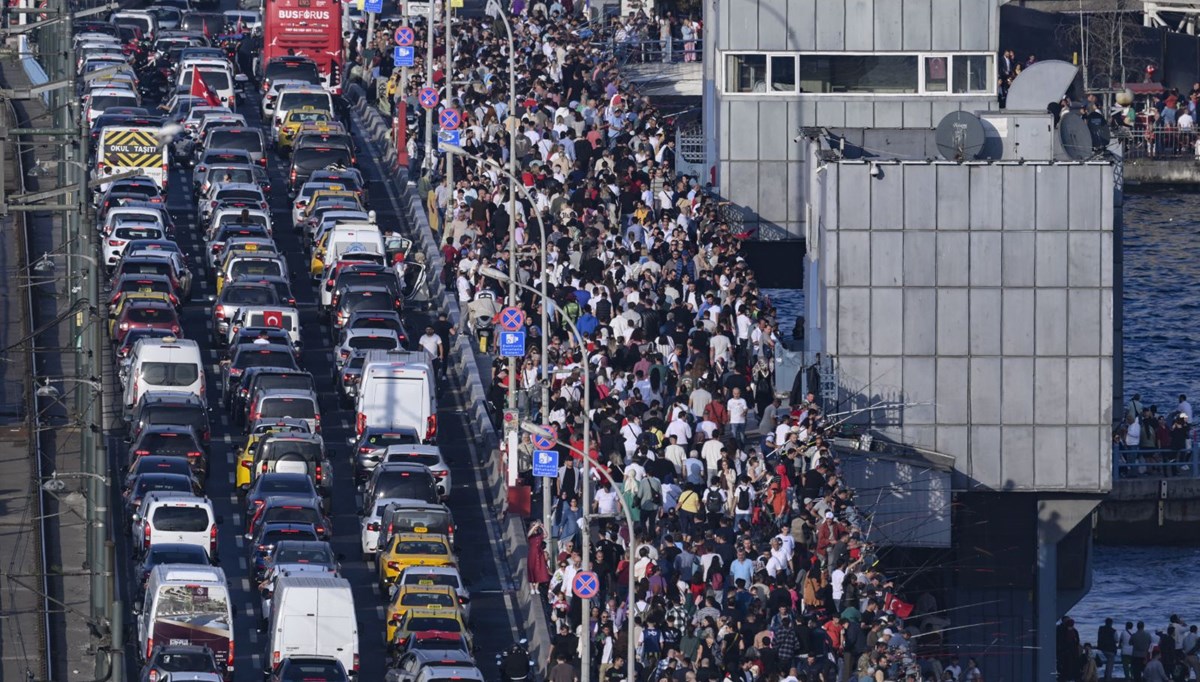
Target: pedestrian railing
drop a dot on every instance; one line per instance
(1134, 463)
(1142, 142)
(631, 52)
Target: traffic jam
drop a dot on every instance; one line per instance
(281, 478)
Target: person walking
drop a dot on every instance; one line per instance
(1106, 643)
(1126, 648)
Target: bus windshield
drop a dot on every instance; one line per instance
(197, 605)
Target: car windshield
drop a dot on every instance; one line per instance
(300, 485)
(372, 343)
(405, 485)
(427, 599)
(285, 381)
(248, 140)
(265, 358)
(186, 661)
(298, 408)
(273, 536)
(250, 219)
(102, 102)
(437, 643)
(181, 554)
(146, 268)
(217, 79)
(145, 286)
(181, 519)
(420, 547)
(427, 458)
(301, 71)
(234, 194)
(153, 482)
(423, 623)
(163, 466)
(256, 268)
(170, 373)
(303, 556)
(137, 233)
(291, 513)
(150, 315)
(445, 579)
(287, 448)
(313, 158)
(299, 100)
(230, 175)
(380, 440)
(296, 117)
(312, 671)
(168, 413)
(250, 296)
(166, 444)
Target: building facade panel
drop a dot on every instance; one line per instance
(1017, 259)
(831, 26)
(889, 26)
(918, 24)
(1016, 457)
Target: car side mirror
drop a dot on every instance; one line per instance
(136, 517)
(248, 536)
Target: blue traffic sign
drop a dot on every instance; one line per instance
(512, 319)
(428, 97)
(585, 585)
(449, 119)
(405, 36)
(373, 6)
(545, 463)
(403, 56)
(449, 137)
(512, 344)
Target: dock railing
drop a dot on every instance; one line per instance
(1159, 142)
(1136, 463)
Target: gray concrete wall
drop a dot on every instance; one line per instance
(981, 295)
(758, 165)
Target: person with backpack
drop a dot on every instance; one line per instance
(715, 501)
(743, 501)
(650, 502)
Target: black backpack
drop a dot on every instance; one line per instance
(743, 501)
(713, 504)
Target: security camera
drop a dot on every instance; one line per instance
(798, 138)
(876, 171)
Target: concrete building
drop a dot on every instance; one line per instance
(975, 287)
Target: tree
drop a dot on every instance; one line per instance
(1104, 38)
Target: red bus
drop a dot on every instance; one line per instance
(311, 28)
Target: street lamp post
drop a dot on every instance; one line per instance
(494, 9)
(586, 643)
(451, 149)
(631, 585)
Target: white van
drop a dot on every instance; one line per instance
(186, 604)
(175, 517)
(397, 389)
(313, 615)
(167, 363)
(281, 316)
(352, 238)
(217, 75)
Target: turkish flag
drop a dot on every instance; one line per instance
(273, 318)
(897, 606)
(201, 89)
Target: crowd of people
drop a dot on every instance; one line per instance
(1171, 654)
(1147, 443)
(749, 553)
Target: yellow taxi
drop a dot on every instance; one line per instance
(429, 620)
(412, 549)
(297, 118)
(260, 430)
(408, 597)
(246, 249)
(335, 191)
(118, 306)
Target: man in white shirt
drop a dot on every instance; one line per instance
(432, 343)
(1184, 407)
(712, 452)
(674, 452)
(737, 408)
(680, 428)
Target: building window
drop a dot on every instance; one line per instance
(853, 73)
(783, 73)
(973, 73)
(746, 73)
(859, 74)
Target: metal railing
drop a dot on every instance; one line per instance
(1133, 463)
(674, 51)
(1142, 142)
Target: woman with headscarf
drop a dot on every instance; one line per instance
(535, 559)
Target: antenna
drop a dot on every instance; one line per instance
(960, 136)
(1076, 136)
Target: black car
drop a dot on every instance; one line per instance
(171, 441)
(309, 669)
(279, 509)
(376, 319)
(155, 464)
(402, 480)
(249, 335)
(177, 658)
(245, 357)
(371, 275)
(160, 408)
(274, 484)
(364, 298)
(149, 483)
(262, 543)
(306, 161)
(370, 446)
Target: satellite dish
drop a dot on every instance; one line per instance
(960, 136)
(1076, 137)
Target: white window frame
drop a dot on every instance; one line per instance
(921, 88)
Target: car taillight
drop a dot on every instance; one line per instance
(299, 204)
(229, 656)
(153, 676)
(319, 474)
(345, 354)
(263, 470)
(320, 530)
(441, 474)
(254, 418)
(394, 565)
(176, 330)
(293, 176)
(317, 418)
(463, 600)
(355, 662)
(115, 242)
(146, 535)
(263, 162)
(360, 423)
(431, 427)
(219, 312)
(212, 541)
(124, 326)
(373, 527)
(149, 647)
(193, 455)
(275, 657)
(246, 464)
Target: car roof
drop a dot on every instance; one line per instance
(164, 397)
(417, 449)
(291, 501)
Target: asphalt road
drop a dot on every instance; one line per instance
(493, 623)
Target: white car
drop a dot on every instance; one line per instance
(428, 455)
(369, 535)
(366, 338)
(125, 232)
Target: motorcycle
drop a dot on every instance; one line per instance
(516, 665)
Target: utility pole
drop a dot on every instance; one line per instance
(450, 95)
(429, 37)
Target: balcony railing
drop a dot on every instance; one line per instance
(1159, 142)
